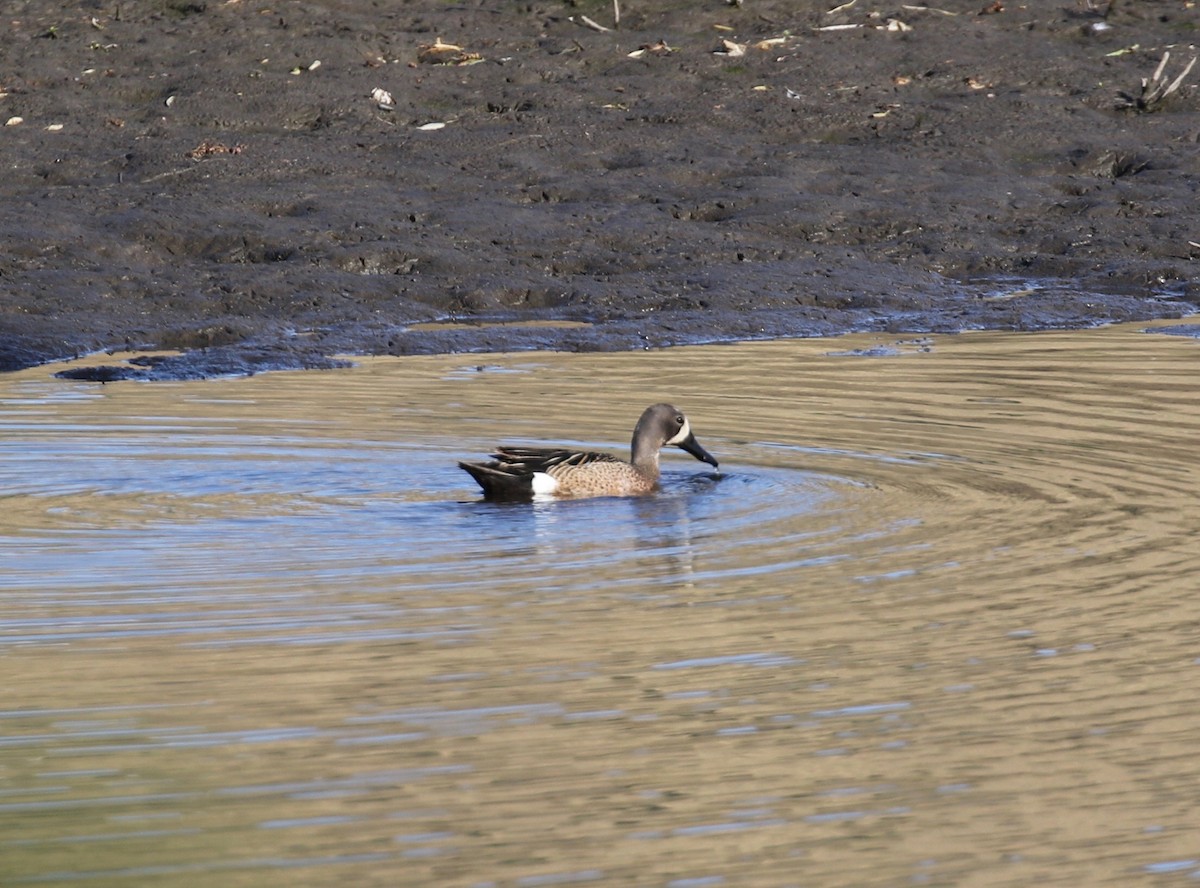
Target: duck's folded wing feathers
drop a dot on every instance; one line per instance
(544, 459)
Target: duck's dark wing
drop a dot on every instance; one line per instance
(545, 459)
(497, 483)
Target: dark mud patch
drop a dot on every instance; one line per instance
(205, 364)
(184, 175)
(1191, 330)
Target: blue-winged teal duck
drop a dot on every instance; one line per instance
(525, 472)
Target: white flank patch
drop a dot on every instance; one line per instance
(543, 483)
(683, 433)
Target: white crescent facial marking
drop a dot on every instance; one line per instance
(683, 433)
(543, 483)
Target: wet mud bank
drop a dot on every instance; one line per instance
(229, 178)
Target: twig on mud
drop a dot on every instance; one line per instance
(1156, 89)
(617, 14)
(929, 9)
(586, 22)
(169, 174)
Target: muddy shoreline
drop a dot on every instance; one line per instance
(216, 177)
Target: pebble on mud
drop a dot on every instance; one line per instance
(383, 99)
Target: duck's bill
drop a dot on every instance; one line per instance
(692, 446)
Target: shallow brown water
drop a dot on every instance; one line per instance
(935, 623)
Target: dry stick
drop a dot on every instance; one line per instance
(586, 22)
(930, 9)
(1156, 89)
(1157, 76)
(1178, 80)
(617, 13)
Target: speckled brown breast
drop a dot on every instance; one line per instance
(598, 474)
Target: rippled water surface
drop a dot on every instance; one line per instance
(936, 623)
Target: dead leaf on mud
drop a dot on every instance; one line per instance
(736, 50)
(659, 48)
(208, 148)
(441, 53)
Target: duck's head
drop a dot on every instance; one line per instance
(662, 425)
